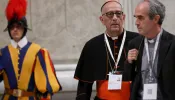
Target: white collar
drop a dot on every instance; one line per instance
(152, 40)
(21, 43)
(113, 38)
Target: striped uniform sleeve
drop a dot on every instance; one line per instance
(45, 76)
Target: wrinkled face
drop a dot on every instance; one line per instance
(112, 17)
(144, 24)
(16, 32)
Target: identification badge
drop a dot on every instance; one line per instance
(114, 82)
(150, 91)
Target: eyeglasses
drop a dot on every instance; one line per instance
(111, 14)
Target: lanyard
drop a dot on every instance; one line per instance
(120, 51)
(155, 49)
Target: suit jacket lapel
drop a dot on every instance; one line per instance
(165, 42)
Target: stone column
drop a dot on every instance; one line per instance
(128, 11)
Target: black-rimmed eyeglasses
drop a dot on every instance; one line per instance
(111, 14)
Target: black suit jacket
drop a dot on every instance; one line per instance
(165, 68)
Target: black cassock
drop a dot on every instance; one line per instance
(95, 62)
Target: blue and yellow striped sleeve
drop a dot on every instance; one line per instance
(44, 73)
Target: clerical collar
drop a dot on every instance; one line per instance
(154, 39)
(21, 43)
(117, 37)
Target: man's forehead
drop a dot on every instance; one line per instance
(143, 5)
(142, 8)
(111, 4)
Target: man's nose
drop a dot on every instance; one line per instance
(115, 17)
(15, 28)
(137, 22)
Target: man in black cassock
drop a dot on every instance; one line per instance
(104, 54)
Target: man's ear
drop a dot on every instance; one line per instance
(156, 18)
(124, 16)
(101, 19)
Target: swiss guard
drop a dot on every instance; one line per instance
(26, 68)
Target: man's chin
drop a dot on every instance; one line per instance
(115, 29)
(16, 38)
(142, 33)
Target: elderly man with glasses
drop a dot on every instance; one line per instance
(102, 58)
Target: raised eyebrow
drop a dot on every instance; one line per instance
(138, 16)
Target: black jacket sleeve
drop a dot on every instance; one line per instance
(84, 90)
(129, 69)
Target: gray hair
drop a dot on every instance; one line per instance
(156, 8)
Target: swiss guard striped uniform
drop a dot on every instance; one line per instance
(27, 71)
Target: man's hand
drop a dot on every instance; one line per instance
(132, 55)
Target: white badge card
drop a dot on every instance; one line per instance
(114, 82)
(150, 91)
